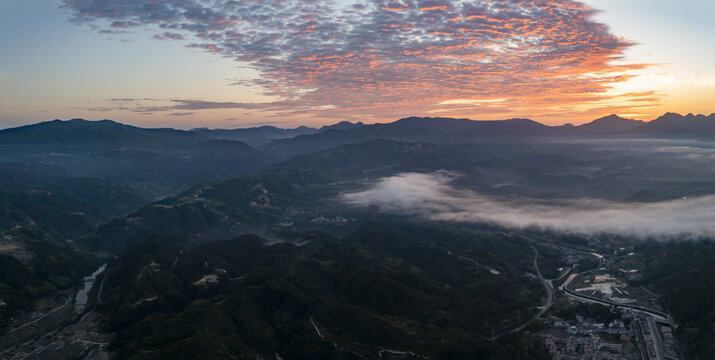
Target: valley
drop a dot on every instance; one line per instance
(390, 241)
(357, 179)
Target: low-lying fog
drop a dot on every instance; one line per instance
(432, 196)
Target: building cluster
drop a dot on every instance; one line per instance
(631, 274)
(610, 288)
(617, 327)
(583, 339)
(649, 337)
(339, 219)
(647, 332)
(11, 246)
(582, 348)
(586, 326)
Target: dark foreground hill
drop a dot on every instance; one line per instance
(42, 212)
(685, 273)
(389, 285)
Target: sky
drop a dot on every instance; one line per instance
(229, 64)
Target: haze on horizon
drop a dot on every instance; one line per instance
(188, 64)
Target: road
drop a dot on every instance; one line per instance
(101, 286)
(549, 296)
(316, 328)
(491, 271)
(388, 351)
(401, 353)
(583, 297)
(652, 312)
(40, 318)
(38, 351)
(44, 334)
(657, 341)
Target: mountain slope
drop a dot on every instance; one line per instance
(42, 211)
(62, 206)
(343, 125)
(671, 124)
(255, 136)
(155, 161)
(610, 124)
(389, 285)
(456, 131)
(98, 134)
(413, 129)
(685, 273)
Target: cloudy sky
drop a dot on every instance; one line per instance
(189, 63)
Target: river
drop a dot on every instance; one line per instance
(80, 301)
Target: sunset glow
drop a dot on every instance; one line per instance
(313, 62)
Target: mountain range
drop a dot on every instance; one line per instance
(107, 133)
(155, 162)
(160, 161)
(240, 243)
(449, 130)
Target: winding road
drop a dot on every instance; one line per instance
(491, 270)
(582, 297)
(549, 294)
(549, 297)
(41, 317)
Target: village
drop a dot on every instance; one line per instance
(604, 317)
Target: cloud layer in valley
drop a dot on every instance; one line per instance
(387, 58)
(432, 196)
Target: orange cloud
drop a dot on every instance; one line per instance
(390, 59)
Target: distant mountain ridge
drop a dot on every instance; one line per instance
(263, 135)
(80, 130)
(678, 124)
(611, 124)
(343, 125)
(59, 135)
(152, 161)
(284, 143)
(255, 136)
(59, 130)
(452, 131)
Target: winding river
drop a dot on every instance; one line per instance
(80, 301)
